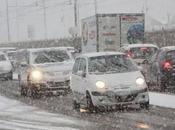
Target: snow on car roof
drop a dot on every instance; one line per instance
(41, 49)
(140, 45)
(168, 48)
(95, 54)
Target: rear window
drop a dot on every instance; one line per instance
(142, 52)
(2, 58)
(170, 56)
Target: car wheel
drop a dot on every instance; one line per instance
(23, 91)
(76, 105)
(89, 102)
(33, 93)
(144, 105)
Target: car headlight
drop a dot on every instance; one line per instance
(36, 75)
(100, 84)
(140, 81)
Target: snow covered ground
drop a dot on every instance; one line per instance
(163, 100)
(17, 116)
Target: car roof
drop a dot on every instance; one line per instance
(139, 45)
(168, 48)
(96, 54)
(42, 49)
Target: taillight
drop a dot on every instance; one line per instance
(167, 65)
(129, 54)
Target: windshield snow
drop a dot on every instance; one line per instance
(111, 64)
(50, 56)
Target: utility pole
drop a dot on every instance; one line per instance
(17, 21)
(45, 19)
(8, 24)
(75, 13)
(95, 2)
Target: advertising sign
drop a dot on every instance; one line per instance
(109, 32)
(132, 28)
(89, 35)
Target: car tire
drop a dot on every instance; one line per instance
(23, 91)
(161, 85)
(10, 77)
(76, 105)
(90, 105)
(33, 93)
(144, 105)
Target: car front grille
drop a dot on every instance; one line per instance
(128, 98)
(58, 84)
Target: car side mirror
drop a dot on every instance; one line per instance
(82, 74)
(23, 64)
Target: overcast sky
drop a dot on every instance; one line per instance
(26, 21)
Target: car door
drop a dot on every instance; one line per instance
(78, 79)
(82, 80)
(74, 79)
(155, 66)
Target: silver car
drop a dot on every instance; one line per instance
(44, 70)
(5, 67)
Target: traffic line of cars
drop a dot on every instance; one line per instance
(97, 79)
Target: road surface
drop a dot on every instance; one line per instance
(157, 118)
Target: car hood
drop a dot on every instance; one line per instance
(119, 81)
(54, 67)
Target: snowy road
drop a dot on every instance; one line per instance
(157, 118)
(15, 115)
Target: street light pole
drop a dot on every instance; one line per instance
(8, 24)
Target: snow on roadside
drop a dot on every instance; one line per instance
(18, 116)
(163, 100)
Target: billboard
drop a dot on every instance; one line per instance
(89, 35)
(132, 28)
(109, 32)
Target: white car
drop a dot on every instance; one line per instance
(44, 70)
(107, 79)
(5, 67)
(140, 53)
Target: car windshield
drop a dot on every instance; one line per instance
(11, 55)
(142, 52)
(111, 64)
(50, 56)
(2, 58)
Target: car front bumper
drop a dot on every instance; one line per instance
(6, 74)
(135, 97)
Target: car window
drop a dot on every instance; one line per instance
(49, 56)
(2, 58)
(142, 52)
(82, 65)
(170, 56)
(76, 65)
(111, 64)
